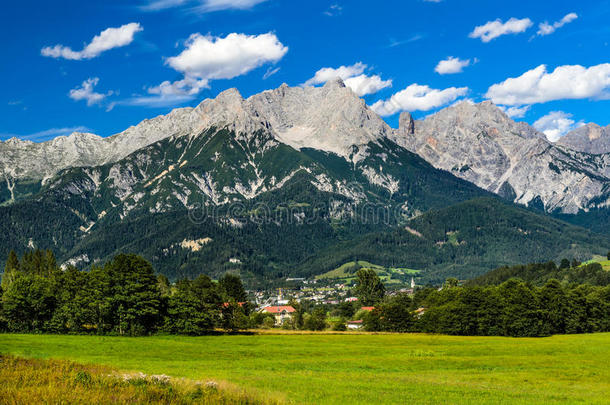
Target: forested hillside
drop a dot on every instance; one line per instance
(466, 240)
(263, 208)
(539, 273)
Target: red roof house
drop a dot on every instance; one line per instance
(280, 312)
(278, 309)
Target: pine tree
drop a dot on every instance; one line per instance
(10, 269)
(50, 262)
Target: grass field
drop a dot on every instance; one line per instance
(348, 369)
(346, 272)
(37, 381)
(601, 260)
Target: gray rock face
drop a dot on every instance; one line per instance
(406, 123)
(330, 118)
(590, 138)
(29, 160)
(476, 142)
(481, 144)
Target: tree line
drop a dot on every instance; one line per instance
(513, 308)
(123, 296)
(568, 272)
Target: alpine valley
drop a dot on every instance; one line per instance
(297, 181)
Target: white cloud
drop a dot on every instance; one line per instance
(155, 101)
(333, 10)
(451, 65)
(515, 112)
(210, 58)
(207, 58)
(108, 39)
(167, 93)
(270, 72)
(545, 28)
(418, 98)
(216, 5)
(565, 82)
(353, 76)
(343, 72)
(47, 133)
(204, 6)
(556, 124)
(495, 29)
(363, 85)
(86, 92)
(394, 42)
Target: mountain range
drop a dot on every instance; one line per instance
(274, 184)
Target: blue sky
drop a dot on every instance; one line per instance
(101, 66)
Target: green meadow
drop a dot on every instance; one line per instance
(356, 368)
(347, 272)
(601, 260)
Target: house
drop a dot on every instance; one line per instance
(351, 299)
(280, 312)
(354, 325)
(367, 309)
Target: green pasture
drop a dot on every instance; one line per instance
(357, 368)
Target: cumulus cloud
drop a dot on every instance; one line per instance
(343, 72)
(565, 82)
(556, 124)
(353, 76)
(108, 39)
(86, 92)
(497, 28)
(546, 29)
(418, 98)
(207, 58)
(204, 6)
(210, 58)
(451, 65)
(363, 85)
(515, 112)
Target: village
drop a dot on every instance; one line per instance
(338, 298)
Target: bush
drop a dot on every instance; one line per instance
(339, 325)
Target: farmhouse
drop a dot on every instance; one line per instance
(280, 312)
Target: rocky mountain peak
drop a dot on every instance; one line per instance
(589, 138)
(335, 83)
(406, 124)
(14, 141)
(330, 118)
(481, 144)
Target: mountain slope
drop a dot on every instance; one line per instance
(292, 179)
(466, 240)
(481, 144)
(25, 165)
(255, 199)
(540, 273)
(590, 138)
